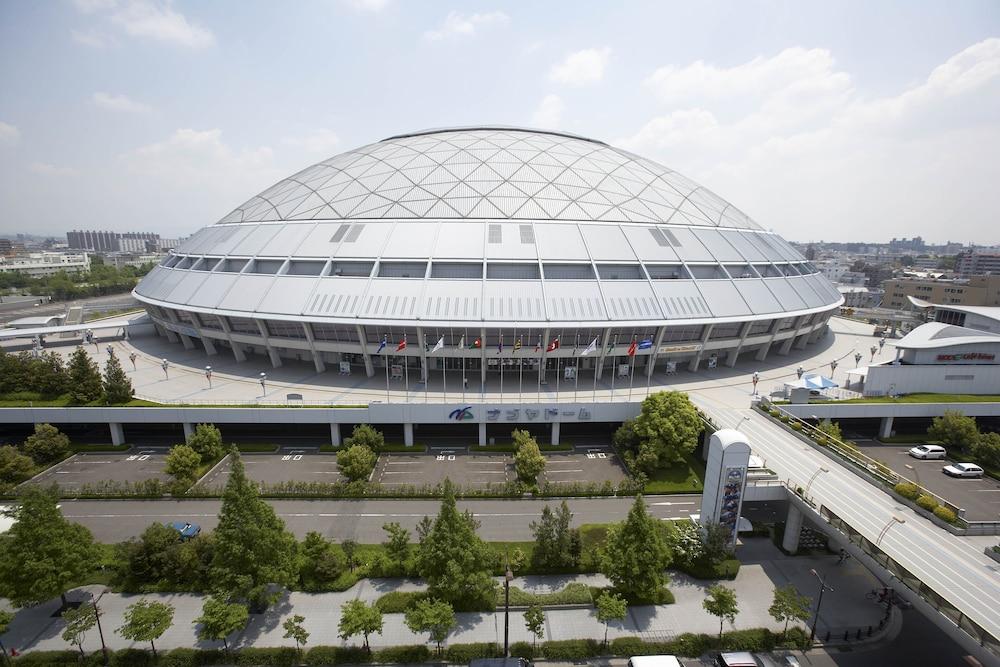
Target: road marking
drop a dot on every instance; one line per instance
(404, 463)
(667, 504)
(488, 472)
(552, 472)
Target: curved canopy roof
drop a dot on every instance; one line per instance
(491, 173)
(938, 334)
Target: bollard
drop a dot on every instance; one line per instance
(869, 631)
(858, 634)
(846, 632)
(827, 635)
(881, 624)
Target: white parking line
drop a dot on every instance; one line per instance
(488, 472)
(404, 463)
(552, 472)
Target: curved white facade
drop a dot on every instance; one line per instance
(512, 237)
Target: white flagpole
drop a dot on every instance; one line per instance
(427, 369)
(520, 373)
(614, 368)
(631, 376)
(406, 369)
(500, 361)
(461, 354)
(558, 372)
(540, 370)
(444, 378)
(576, 366)
(596, 361)
(385, 359)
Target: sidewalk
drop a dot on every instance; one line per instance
(764, 568)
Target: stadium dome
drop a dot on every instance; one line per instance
(486, 247)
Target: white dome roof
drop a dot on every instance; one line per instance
(490, 173)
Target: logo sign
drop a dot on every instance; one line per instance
(967, 356)
(493, 415)
(461, 414)
(512, 415)
(584, 414)
(679, 349)
(551, 412)
(530, 414)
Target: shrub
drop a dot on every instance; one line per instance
(945, 514)
(56, 659)
(571, 649)
(927, 502)
(337, 655)
(573, 593)
(774, 412)
(190, 657)
(755, 640)
(691, 645)
(796, 426)
(907, 490)
(703, 569)
(403, 655)
(283, 656)
(397, 602)
(821, 440)
(522, 650)
(463, 654)
(132, 657)
(46, 444)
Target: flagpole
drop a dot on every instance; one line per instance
(631, 376)
(385, 359)
(576, 366)
(614, 368)
(444, 377)
(426, 370)
(597, 361)
(461, 353)
(558, 372)
(500, 361)
(520, 372)
(406, 369)
(539, 372)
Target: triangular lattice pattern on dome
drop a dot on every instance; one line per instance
(491, 174)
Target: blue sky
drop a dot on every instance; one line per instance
(837, 121)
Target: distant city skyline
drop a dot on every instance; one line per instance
(843, 120)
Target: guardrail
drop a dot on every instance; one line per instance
(262, 402)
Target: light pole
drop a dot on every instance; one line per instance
(755, 380)
(874, 351)
(742, 419)
(263, 385)
(833, 368)
(822, 589)
(857, 358)
(892, 522)
(132, 357)
(916, 474)
(799, 372)
(208, 375)
(805, 494)
(100, 630)
(165, 365)
(508, 575)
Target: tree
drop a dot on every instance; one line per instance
(366, 436)
(15, 467)
(830, 429)
(182, 464)
(5, 620)
(146, 621)
(79, 621)
(434, 616)
(207, 441)
(252, 547)
(528, 461)
(295, 631)
(987, 450)
(453, 559)
(715, 542)
(721, 602)
(610, 607)
(219, 619)
(557, 546)
(789, 605)
(356, 462)
(350, 549)
(668, 428)
(625, 437)
(358, 618)
(117, 386)
(534, 621)
(46, 444)
(398, 544)
(954, 430)
(635, 555)
(42, 553)
(319, 562)
(84, 377)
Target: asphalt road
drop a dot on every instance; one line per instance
(359, 520)
(28, 309)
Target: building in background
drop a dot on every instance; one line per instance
(46, 263)
(105, 241)
(136, 259)
(977, 262)
(974, 291)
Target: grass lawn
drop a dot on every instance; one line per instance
(687, 477)
(929, 398)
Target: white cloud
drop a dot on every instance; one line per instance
(549, 112)
(457, 24)
(322, 140)
(92, 6)
(91, 38)
(46, 169)
(119, 103)
(367, 5)
(8, 133)
(158, 21)
(582, 67)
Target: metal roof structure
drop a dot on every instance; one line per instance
(938, 334)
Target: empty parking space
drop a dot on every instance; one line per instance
(980, 498)
(136, 465)
(458, 465)
(584, 465)
(288, 465)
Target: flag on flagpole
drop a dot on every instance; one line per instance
(590, 348)
(517, 345)
(476, 344)
(461, 343)
(439, 345)
(500, 346)
(381, 346)
(538, 345)
(646, 344)
(631, 348)
(612, 344)
(553, 346)
(402, 345)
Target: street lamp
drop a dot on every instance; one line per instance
(822, 589)
(873, 350)
(857, 358)
(508, 575)
(165, 365)
(892, 522)
(805, 494)
(755, 380)
(833, 368)
(916, 474)
(100, 630)
(742, 419)
(208, 375)
(263, 386)
(799, 371)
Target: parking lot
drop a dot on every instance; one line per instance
(584, 465)
(980, 498)
(289, 465)
(458, 465)
(136, 465)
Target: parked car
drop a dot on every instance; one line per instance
(186, 530)
(927, 452)
(500, 662)
(653, 661)
(736, 659)
(963, 470)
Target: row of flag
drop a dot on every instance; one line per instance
(477, 344)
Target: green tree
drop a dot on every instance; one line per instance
(668, 427)
(252, 547)
(350, 549)
(79, 621)
(84, 377)
(182, 464)
(625, 436)
(295, 631)
(146, 621)
(356, 462)
(366, 436)
(557, 546)
(46, 444)
(610, 607)
(48, 374)
(534, 621)
(398, 543)
(715, 542)
(635, 555)
(528, 461)
(521, 438)
(954, 430)
(433, 616)
(219, 619)
(789, 605)
(15, 467)
(721, 602)
(830, 429)
(358, 618)
(319, 563)
(5, 620)
(117, 387)
(454, 561)
(207, 441)
(42, 553)
(986, 450)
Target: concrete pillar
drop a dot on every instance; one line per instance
(117, 434)
(237, 348)
(171, 336)
(696, 359)
(603, 352)
(651, 360)
(793, 526)
(424, 369)
(735, 352)
(786, 345)
(160, 330)
(186, 341)
(885, 427)
(335, 435)
(271, 352)
(541, 359)
(408, 434)
(316, 355)
(482, 369)
(188, 431)
(555, 433)
(482, 434)
(766, 347)
(209, 346)
(369, 368)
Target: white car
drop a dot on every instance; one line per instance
(927, 452)
(963, 470)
